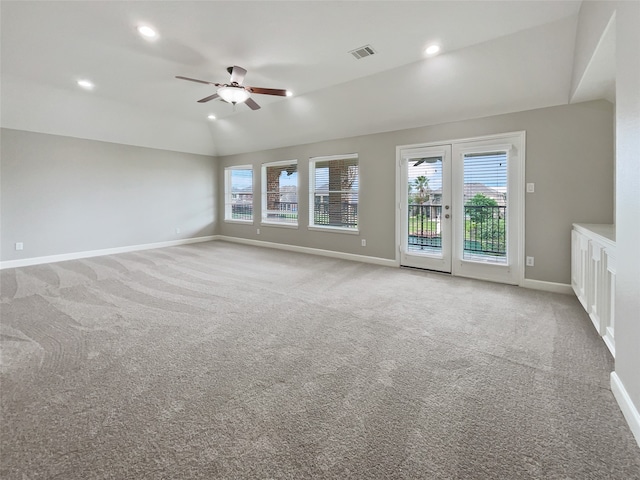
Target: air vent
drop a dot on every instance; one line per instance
(362, 52)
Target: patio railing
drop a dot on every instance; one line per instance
(424, 226)
(284, 212)
(242, 211)
(484, 232)
(342, 214)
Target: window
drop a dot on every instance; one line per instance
(238, 194)
(280, 192)
(333, 192)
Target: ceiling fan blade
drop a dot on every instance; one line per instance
(268, 91)
(209, 98)
(237, 74)
(196, 80)
(251, 103)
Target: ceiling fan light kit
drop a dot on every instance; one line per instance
(234, 92)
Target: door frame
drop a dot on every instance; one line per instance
(517, 221)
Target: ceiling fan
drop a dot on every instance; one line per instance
(234, 92)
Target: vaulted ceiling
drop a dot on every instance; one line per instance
(497, 57)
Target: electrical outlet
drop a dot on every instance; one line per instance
(19, 246)
(258, 231)
(364, 242)
(529, 261)
(531, 187)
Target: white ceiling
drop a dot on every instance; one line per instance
(497, 57)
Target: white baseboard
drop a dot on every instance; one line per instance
(547, 286)
(609, 341)
(312, 251)
(527, 283)
(629, 410)
(25, 262)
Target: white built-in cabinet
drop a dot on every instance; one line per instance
(593, 275)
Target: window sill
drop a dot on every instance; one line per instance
(240, 222)
(348, 231)
(279, 225)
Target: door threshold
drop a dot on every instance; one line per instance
(409, 267)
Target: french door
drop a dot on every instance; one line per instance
(426, 207)
(461, 207)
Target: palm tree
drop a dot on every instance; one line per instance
(421, 185)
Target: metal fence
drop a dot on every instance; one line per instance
(286, 212)
(424, 226)
(485, 230)
(335, 214)
(242, 211)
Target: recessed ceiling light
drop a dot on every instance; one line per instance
(86, 84)
(432, 49)
(211, 117)
(289, 93)
(147, 32)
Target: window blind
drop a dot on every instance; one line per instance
(335, 187)
(485, 206)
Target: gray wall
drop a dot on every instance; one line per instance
(66, 195)
(569, 157)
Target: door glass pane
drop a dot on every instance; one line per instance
(485, 207)
(424, 205)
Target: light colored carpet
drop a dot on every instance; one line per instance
(225, 361)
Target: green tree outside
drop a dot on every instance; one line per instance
(486, 226)
(479, 214)
(421, 185)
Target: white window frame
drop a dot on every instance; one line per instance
(228, 198)
(312, 194)
(264, 211)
